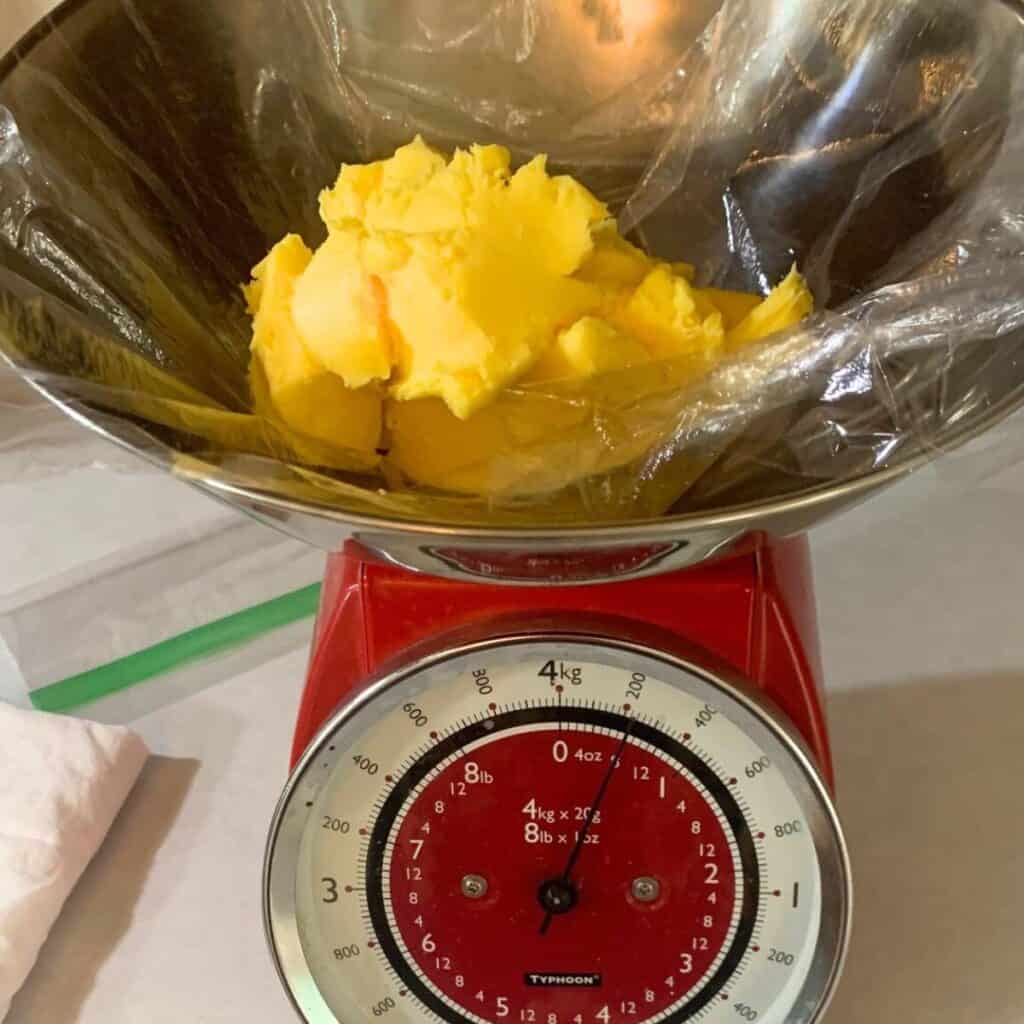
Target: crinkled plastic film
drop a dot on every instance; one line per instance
(151, 153)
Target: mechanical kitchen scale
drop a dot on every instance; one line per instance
(561, 804)
(566, 775)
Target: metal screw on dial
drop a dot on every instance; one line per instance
(646, 889)
(474, 886)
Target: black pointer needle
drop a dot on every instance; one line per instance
(564, 879)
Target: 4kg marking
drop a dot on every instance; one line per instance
(560, 672)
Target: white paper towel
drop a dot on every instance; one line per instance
(62, 783)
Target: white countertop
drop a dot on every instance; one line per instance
(920, 596)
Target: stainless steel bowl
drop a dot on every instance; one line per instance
(205, 130)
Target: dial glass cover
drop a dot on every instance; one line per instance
(556, 831)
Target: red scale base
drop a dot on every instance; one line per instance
(755, 612)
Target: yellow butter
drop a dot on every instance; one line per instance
(786, 305)
(300, 390)
(470, 320)
(734, 306)
(434, 447)
(539, 439)
(591, 346)
(367, 193)
(339, 311)
(550, 220)
(664, 313)
(484, 286)
(614, 261)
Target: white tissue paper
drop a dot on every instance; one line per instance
(62, 783)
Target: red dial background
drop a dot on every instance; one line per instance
(648, 955)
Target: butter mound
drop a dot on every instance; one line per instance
(446, 279)
(446, 284)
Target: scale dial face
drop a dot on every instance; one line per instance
(556, 830)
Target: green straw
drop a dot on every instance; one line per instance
(202, 642)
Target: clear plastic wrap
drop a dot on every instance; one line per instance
(151, 579)
(150, 155)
